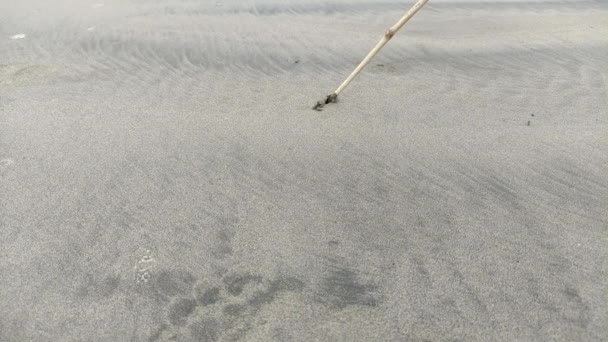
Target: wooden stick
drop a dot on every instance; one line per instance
(387, 36)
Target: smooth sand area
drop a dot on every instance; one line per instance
(163, 177)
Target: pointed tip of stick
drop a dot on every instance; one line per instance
(331, 98)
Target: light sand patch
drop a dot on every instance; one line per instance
(23, 74)
(18, 36)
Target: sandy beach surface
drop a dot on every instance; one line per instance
(163, 177)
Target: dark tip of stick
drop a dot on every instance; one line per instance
(331, 98)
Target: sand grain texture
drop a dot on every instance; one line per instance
(162, 176)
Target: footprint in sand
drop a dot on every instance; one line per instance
(223, 307)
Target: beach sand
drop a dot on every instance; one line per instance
(163, 177)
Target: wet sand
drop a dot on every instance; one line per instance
(163, 177)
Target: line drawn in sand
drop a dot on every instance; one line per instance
(143, 267)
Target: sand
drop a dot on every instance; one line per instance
(163, 177)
